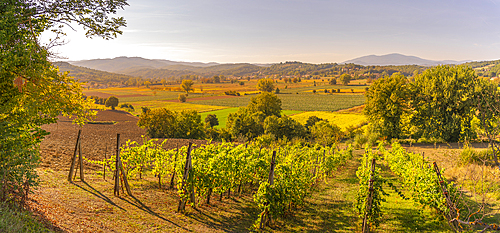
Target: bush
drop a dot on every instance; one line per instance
(128, 106)
(233, 93)
(182, 98)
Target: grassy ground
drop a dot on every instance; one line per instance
(15, 220)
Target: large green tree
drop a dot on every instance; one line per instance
(283, 126)
(387, 103)
(267, 103)
(443, 102)
(246, 123)
(32, 91)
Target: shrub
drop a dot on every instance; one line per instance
(233, 93)
(112, 102)
(211, 120)
(182, 98)
(128, 106)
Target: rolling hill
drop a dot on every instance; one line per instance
(397, 59)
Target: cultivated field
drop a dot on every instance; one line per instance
(210, 96)
(342, 120)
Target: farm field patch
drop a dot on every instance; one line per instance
(298, 102)
(342, 120)
(173, 106)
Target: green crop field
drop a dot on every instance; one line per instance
(342, 120)
(298, 102)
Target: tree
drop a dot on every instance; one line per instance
(311, 121)
(211, 120)
(326, 133)
(345, 79)
(333, 81)
(216, 79)
(111, 102)
(187, 85)
(163, 123)
(246, 123)
(283, 126)
(267, 103)
(387, 103)
(33, 92)
(265, 84)
(443, 102)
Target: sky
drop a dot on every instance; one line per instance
(313, 31)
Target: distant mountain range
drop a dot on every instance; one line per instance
(120, 64)
(397, 60)
(130, 65)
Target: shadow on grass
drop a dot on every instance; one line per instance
(96, 193)
(137, 203)
(235, 222)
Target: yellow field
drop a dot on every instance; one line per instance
(342, 120)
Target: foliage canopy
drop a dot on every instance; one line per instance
(33, 92)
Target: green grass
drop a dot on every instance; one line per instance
(298, 102)
(224, 113)
(221, 116)
(18, 221)
(406, 215)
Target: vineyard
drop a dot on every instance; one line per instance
(280, 179)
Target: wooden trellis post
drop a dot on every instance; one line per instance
(173, 173)
(73, 159)
(187, 167)
(265, 216)
(119, 171)
(369, 199)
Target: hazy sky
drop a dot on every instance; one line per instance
(315, 31)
